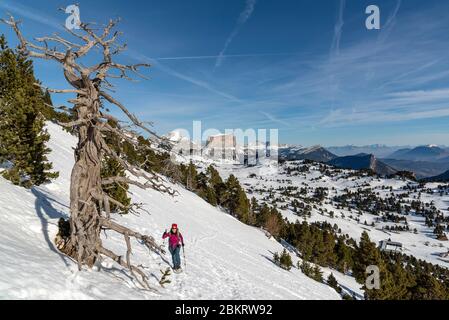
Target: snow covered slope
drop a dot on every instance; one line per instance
(422, 244)
(225, 258)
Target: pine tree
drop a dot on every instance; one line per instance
(208, 194)
(255, 208)
(306, 268)
(190, 177)
(8, 138)
(48, 111)
(402, 280)
(428, 288)
(216, 183)
(22, 134)
(117, 191)
(111, 167)
(327, 256)
(234, 199)
(344, 256)
(368, 255)
(317, 274)
(243, 209)
(304, 240)
(263, 215)
(333, 283)
(285, 260)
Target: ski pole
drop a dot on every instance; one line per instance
(184, 255)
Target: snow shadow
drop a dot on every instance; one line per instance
(351, 292)
(270, 257)
(290, 248)
(45, 211)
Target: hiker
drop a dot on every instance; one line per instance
(175, 241)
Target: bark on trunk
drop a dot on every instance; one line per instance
(85, 191)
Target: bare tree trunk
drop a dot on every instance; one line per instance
(85, 187)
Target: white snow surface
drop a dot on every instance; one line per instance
(225, 258)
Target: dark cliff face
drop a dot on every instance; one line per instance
(363, 162)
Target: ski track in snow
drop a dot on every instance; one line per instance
(225, 258)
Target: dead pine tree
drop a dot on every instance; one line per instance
(89, 205)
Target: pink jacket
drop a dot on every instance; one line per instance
(173, 239)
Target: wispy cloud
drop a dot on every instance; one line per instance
(179, 75)
(338, 30)
(389, 25)
(409, 74)
(37, 16)
(275, 119)
(199, 83)
(343, 117)
(373, 82)
(420, 96)
(393, 107)
(249, 55)
(32, 14)
(244, 16)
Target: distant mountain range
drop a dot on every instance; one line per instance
(363, 161)
(440, 178)
(355, 162)
(421, 169)
(379, 150)
(315, 153)
(430, 153)
(387, 166)
(422, 161)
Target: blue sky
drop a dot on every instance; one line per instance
(309, 68)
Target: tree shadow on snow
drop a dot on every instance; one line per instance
(268, 258)
(45, 209)
(351, 292)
